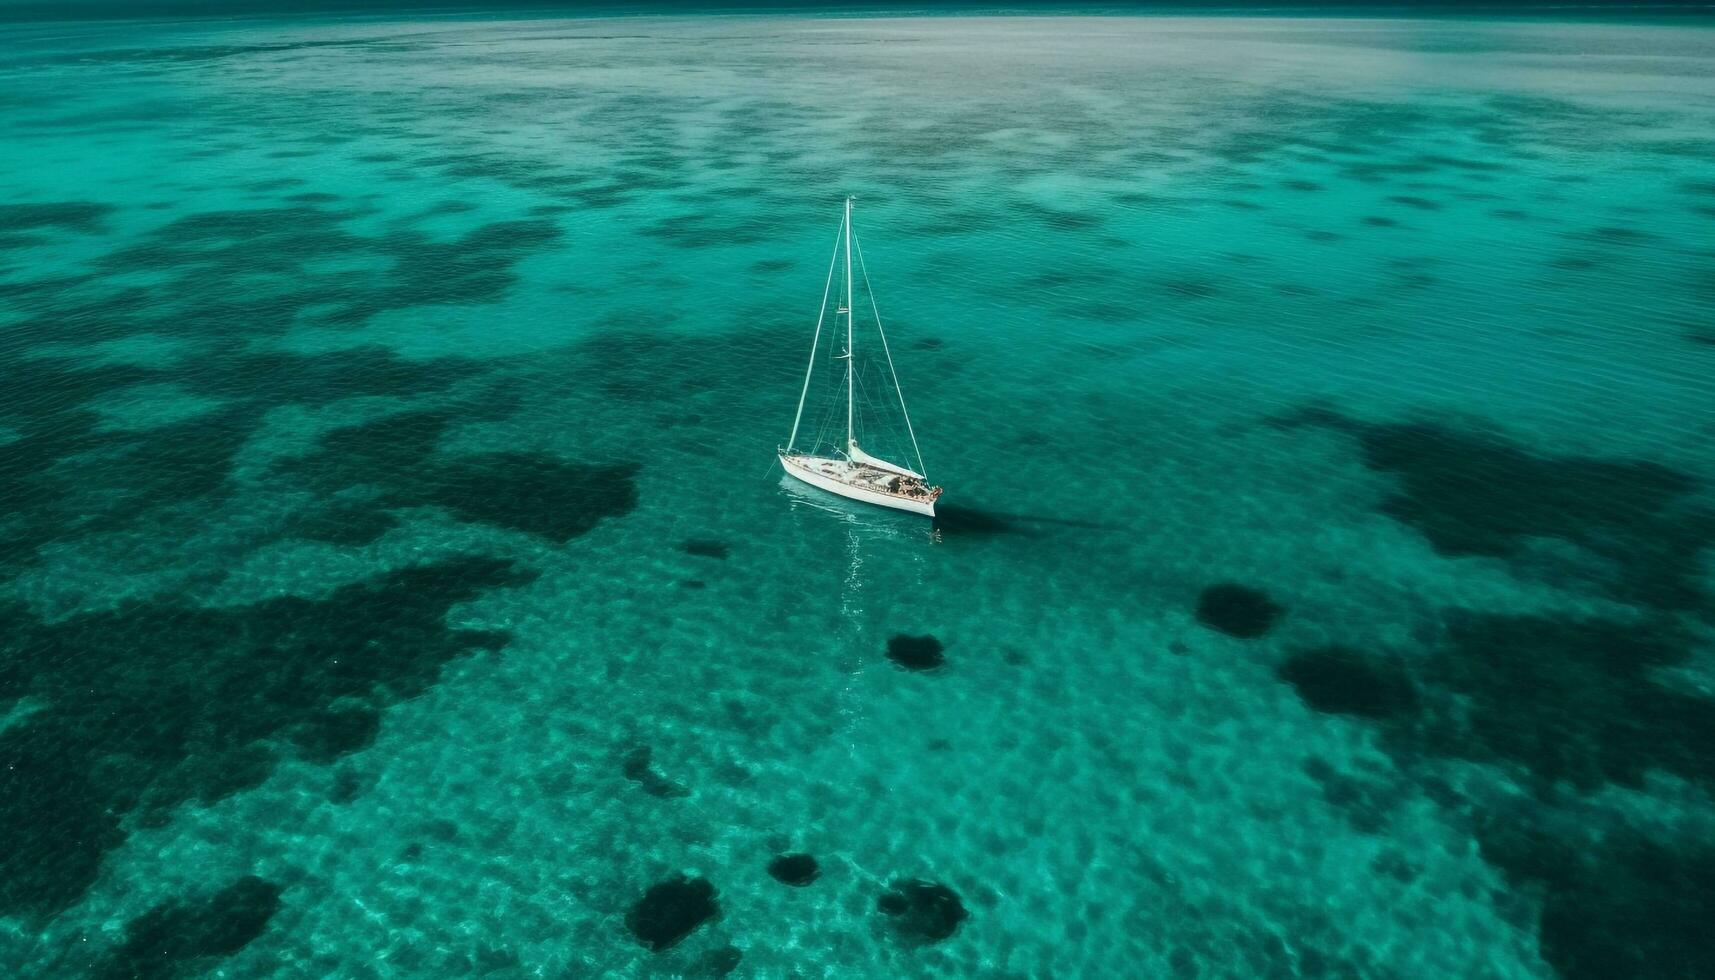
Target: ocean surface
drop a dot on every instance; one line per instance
(398, 582)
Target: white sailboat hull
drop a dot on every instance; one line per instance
(810, 470)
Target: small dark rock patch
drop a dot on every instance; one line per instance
(1237, 610)
(1376, 221)
(1364, 799)
(1420, 203)
(348, 784)
(915, 652)
(923, 911)
(1340, 681)
(796, 870)
(671, 910)
(636, 764)
(639, 768)
(720, 962)
(706, 548)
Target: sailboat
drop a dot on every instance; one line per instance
(845, 468)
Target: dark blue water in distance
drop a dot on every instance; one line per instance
(397, 581)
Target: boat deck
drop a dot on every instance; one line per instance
(873, 479)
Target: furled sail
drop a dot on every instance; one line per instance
(859, 456)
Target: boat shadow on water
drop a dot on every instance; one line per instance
(965, 521)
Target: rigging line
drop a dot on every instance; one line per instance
(828, 418)
(884, 349)
(820, 314)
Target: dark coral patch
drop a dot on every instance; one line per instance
(1566, 702)
(1572, 706)
(71, 476)
(1377, 221)
(336, 732)
(351, 525)
(159, 702)
(266, 248)
(380, 452)
(1336, 680)
(922, 911)
(1571, 700)
(530, 492)
(671, 910)
(78, 216)
(796, 870)
(1613, 905)
(1237, 610)
(915, 652)
(275, 377)
(180, 939)
(707, 548)
(1471, 494)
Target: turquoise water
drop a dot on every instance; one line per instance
(396, 583)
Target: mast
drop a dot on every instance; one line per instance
(851, 305)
